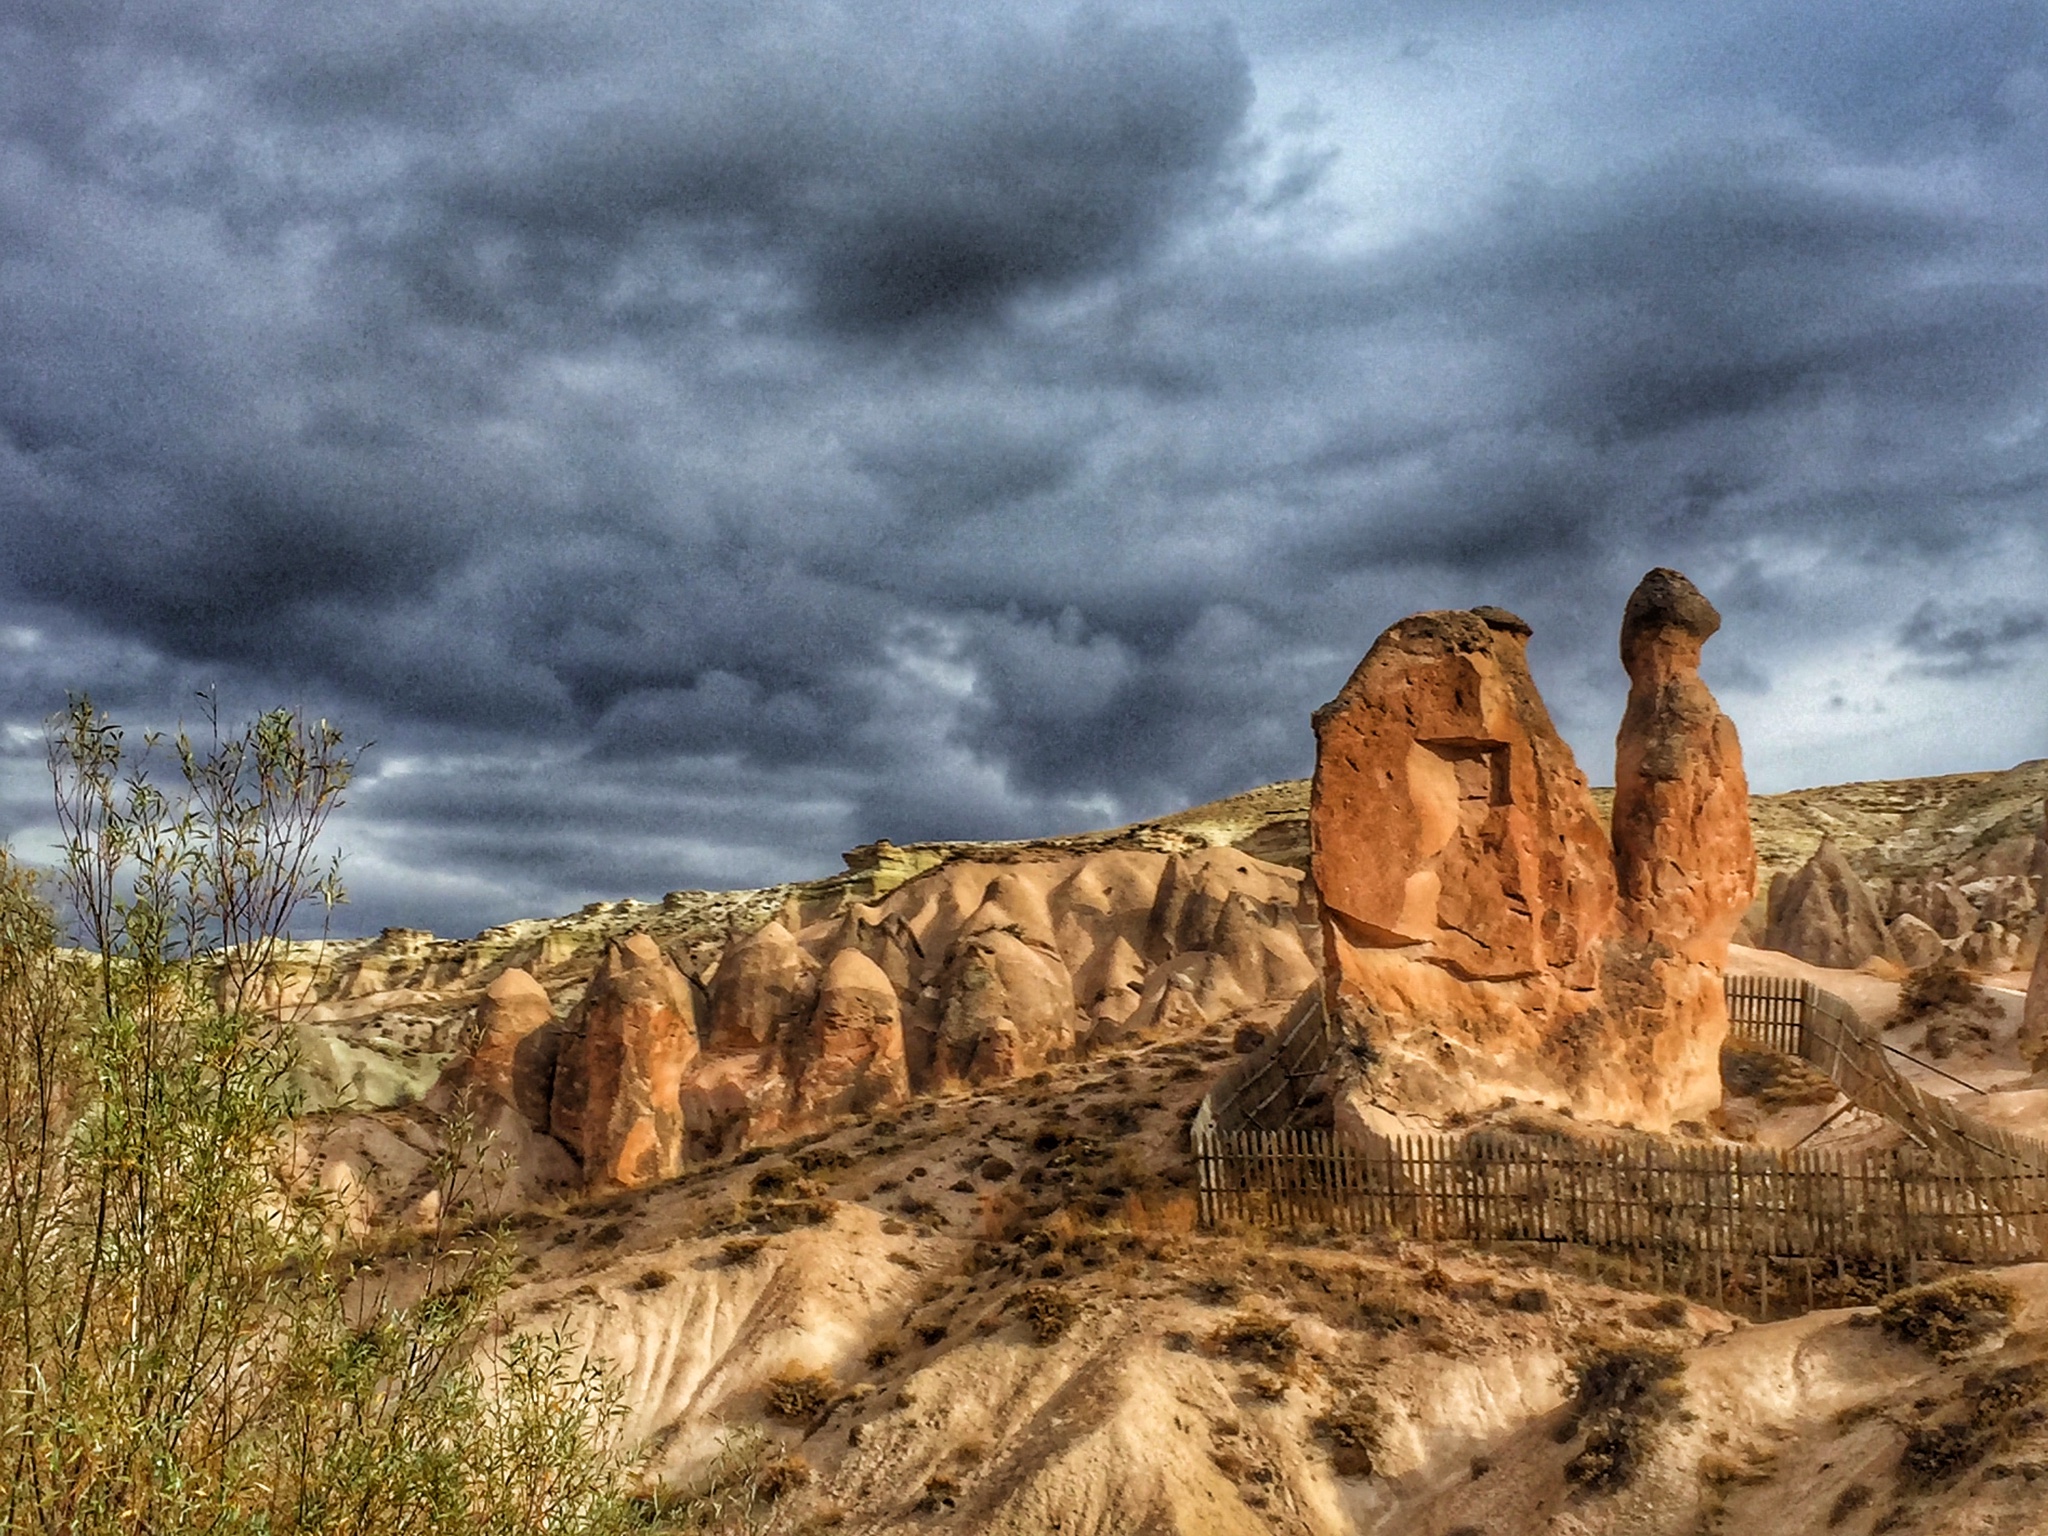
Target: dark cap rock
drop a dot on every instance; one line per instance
(1665, 599)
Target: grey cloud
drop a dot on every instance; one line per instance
(694, 440)
(1957, 640)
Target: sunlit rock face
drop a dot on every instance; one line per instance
(1483, 938)
(1825, 915)
(618, 1082)
(1684, 860)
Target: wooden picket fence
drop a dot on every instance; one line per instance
(1963, 1192)
(1800, 1019)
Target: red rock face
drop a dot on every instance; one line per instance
(1683, 857)
(765, 988)
(850, 1059)
(617, 1100)
(1482, 937)
(1448, 819)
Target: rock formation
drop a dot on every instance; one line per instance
(1825, 916)
(850, 1059)
(1482, 937)
(618, 1082)
(1684, 859)
(511, 1058)
(1917, 943)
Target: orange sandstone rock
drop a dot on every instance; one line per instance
(617, 1100)
(1479, 941)
(1683, 856)
(850, 1059)
(1448, 820)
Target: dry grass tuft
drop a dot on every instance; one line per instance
(1049, 1310)
(1621, 1396)
(1257, 1337)
(1993, 1409)
(1352, 1430)
(1950, 1317)
(798, 1396)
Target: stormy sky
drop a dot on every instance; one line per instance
(690, 440)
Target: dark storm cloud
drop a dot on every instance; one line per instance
(1975, 638)
(692, 440)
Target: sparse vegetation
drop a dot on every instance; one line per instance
(1950, 1317)
(798, 1396)
(1851, 1499)
(1775, 1080)
(1257, 1337)
(1620, 1397)
(186, 1346)
(1937, 987)
(1351, 1428)
(1048, 1310)
(1992, 1408)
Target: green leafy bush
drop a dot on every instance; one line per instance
(186, 1345)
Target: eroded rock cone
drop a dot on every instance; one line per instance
(850, 1059)
(763, 990)
(1684, 861)
(1824, 915)
(513, 1059)
(1918, 944)
(625, 1050)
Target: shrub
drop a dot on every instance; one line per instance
(1620, 1397)
(1256, 1337)
(1049, 1310)
(1933, 988)
(186, 1346)
(798, 1396)
(1992, 1408)
(1852, 1498)
(1352, 1430)
(1949, 1317)
(781, 1181)
(741, 1250)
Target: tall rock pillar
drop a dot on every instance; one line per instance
(1683, 858)
(1684, 861)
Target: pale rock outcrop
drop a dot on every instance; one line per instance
(494, 1107)
(511, 1058)
(850, 1059)
(1824, 915)
(1008, 1009)
(2033, 1038)
(1917, 943)
(1991, 948)
(994, 970)
(618, 1082)
(1935, 901)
